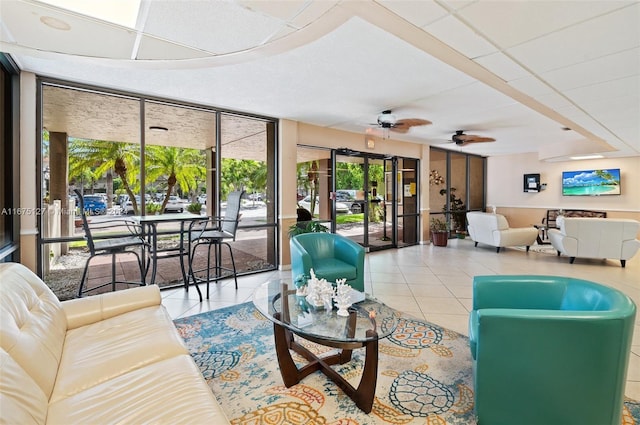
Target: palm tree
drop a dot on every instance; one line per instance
(101, 156)
(181, 166)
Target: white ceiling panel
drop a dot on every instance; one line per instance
(284, 10)
(218, 27)
(73, 34)
(419, 14)
(460, 37)
(510, 23)
(612, 33)
(152, 48)
(612, 67)
(532, 86)
(503, 66)
(613, 89)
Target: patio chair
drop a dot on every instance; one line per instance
(106, 238)
(213, 232)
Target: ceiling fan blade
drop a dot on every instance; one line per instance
(480, 140)
(402, 126)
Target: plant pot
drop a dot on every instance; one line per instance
(440, 238)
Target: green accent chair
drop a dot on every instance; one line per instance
(549, 350)
(331, 257)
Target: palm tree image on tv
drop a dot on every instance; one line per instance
(591, 182)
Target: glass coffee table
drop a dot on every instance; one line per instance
(368, 321)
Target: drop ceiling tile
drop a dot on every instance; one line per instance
(613, 89)
(531, 86)
(503, 66)
(83, 36)
(510, 23)
(219, 27)
(152, 48)
(279, 9)
(312, 12)
(606, 68)
(612, 33)
(554, 101)
(419, 14)
(457, 35)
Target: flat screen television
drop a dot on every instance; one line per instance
(591, 182)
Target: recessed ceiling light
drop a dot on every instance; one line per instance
(158, 128)
(586, 157)
(55, 23)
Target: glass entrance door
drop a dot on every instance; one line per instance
(364, 214)
(382, 204)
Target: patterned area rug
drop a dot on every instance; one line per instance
(424, 375)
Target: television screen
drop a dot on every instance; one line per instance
(591, 182)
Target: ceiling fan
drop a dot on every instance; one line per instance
(388, 122)
(462, 139)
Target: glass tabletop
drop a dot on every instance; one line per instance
(302, 318)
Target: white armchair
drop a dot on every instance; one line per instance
(494, 230)
(595, 238)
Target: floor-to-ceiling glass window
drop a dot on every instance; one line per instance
(247, 151)
(457, 185)
(313, 185)
(10, 174)
(91, 143)
(137, 156)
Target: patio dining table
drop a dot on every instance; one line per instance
(150, 225)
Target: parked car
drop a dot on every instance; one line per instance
(95, 205)
(341, 207)
(202, 199)
(175, 204)
(127, 206)
(346, 198)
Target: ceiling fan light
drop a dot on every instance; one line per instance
(386, 118)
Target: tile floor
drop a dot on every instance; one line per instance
(434, 283)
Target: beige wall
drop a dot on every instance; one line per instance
(505, 188)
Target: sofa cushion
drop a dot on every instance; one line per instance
(144, 396)
(32, 324)
(21, 399)
(112, 347)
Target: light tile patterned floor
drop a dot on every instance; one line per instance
(434, 283)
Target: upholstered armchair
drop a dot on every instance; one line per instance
(331, 257)
(494, 230)
(549, 350)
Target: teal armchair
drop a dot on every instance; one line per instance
(549, 350)
(331, 257)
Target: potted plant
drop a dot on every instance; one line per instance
(306, 227)
(194, 208)
(457, 208)
(439, 232)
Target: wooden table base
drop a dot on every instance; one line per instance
(291, 374)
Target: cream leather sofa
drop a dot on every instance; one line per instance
(595, 238)
(105, 359)
(494, 230)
